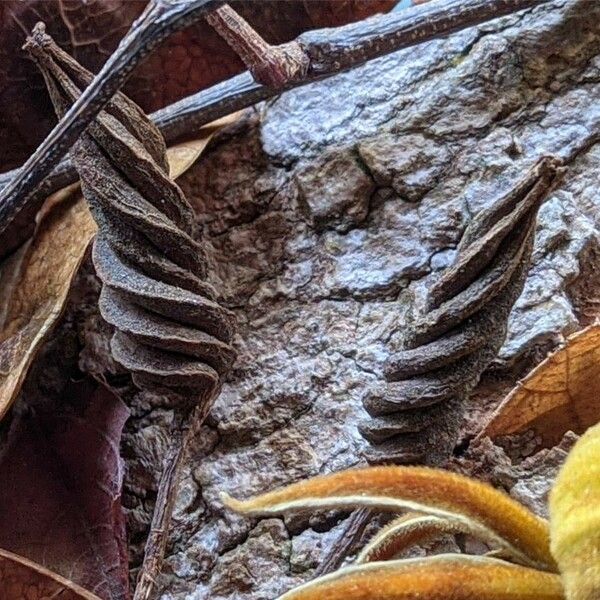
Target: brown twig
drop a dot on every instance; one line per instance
(330, 51)
(158, 536)
(273, 66)
(156, 543)
(348, 543)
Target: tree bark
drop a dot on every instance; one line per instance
(326, 208)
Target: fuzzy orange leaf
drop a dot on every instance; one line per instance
(442, 577)
(23, 578)
(414, 528)
(562, 393)
(419, 489)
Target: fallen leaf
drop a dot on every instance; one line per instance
(182, 156)
(22, 578)
(60, 499)
(189, 60)
(562, 393)
(35, 281)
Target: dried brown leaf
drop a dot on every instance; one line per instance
(60, 499)
(35, 281)
(562, 393)
(182, 156)
(22, 578)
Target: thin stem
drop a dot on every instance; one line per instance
(156, 543)
(168, 486)
(348, 543)
(334, 50)
(330, 51)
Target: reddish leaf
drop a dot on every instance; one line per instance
(60, 499)
(22, 578)
(90, 30)
(189, 61)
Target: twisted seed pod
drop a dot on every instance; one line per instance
(575, 519)
(459, 330)
(169, 330)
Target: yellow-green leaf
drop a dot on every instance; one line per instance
(575, 518)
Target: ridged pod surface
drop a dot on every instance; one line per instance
(458, 331)
(170, 332)
(575, 519)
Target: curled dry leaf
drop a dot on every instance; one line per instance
(562, 393)
(35, 281)
(22, 578)
(452, 338)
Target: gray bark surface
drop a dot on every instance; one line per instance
(323, 207)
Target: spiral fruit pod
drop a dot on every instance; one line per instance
(170, 332)
(457, 331)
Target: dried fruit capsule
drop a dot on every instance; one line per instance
(170, 332)
(417, 413)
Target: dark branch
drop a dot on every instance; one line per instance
(157, 22)
(330, 51)
(334, 50)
